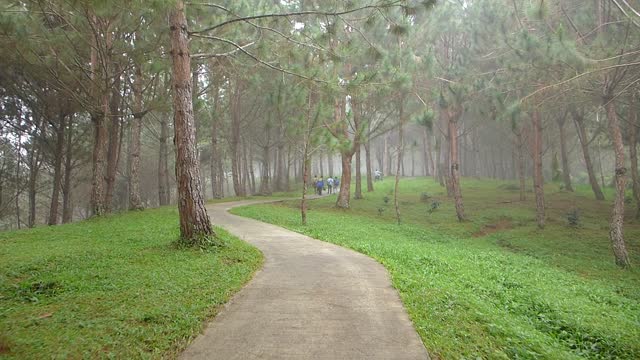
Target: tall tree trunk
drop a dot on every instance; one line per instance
(566, 172)
(330, 162)
(67, 204)
(57, 170)
(538, 180)
(34, 168)
(135, 200)
(399, 159)
(236, 159)
(344, 196)
(455, 166)
(386, 156)
(633, 153)
(521, 166)
(616, 233)
(358, 194)
(216, 155)
(113, 152)
(428, 159)
(195, 224)
(163, 166)
(584, 142)
(367, 159)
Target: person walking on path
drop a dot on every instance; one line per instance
(320, 186)
(330, 185)
(336, 183)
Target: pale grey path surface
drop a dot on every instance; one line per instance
(311, 300)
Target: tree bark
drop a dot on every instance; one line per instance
(135, 200)
(455, 165)
(616, 233)
(195, 224)
(566, 172)
(584, 142)
(346, 155)
(57, 170)
(216, 155)
(538, 180)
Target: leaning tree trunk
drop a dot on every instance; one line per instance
(135, 200)
(367, 159)
(616, 234)
(584, 143)
(455, 166)
(195, 224)
(538, 180)
(57, 171)
(566, 172)
(358, 194)
(67, 204)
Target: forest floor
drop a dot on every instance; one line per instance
(494, 286)
(114, 287)
(311, 300)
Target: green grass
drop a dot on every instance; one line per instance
(112, 288)
(495, 286)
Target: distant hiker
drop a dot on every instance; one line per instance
(336, 183)
(319, 186)
(378, 175)
(330, 185)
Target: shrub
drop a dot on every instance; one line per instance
(434, 206)
(573, 217)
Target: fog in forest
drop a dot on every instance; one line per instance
(279, 92)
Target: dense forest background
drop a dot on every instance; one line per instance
(93, 114)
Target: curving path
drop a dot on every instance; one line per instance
(311, 300)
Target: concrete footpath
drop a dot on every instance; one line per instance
(311, 300)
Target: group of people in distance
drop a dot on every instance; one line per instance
(330, 184)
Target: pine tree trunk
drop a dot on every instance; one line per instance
(163, 166)
(538, 181)
(616, 233)
(195, 224)
(113, 152)
(584, 142)
(633, 153)
(236, 159)
(399, 160)
(367, 157)
(57, 170)
(67, 204)
(34, 168)
(566, 172)
(358, 194)
(455, 166)
(135, 200)
(521, 166)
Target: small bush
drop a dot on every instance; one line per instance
(386, 200)
(380, 211)
(424, 197)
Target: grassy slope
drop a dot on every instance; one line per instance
(112, 287)
(513, 293)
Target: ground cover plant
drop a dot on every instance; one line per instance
(494, 286)
(113, 287)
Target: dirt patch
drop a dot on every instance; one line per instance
(501, 225)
